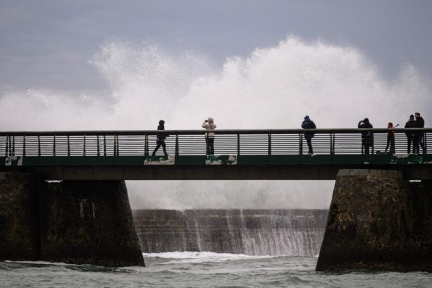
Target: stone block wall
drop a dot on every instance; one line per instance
(16, 239)
(378, 221)
(88, 222)
(80, 222)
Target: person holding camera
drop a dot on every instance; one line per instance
(367, 137)
(210, 126)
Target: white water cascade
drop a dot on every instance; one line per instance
(250, 232)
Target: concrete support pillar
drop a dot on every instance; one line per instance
(17, 241)
(80, 222)
(378, 221)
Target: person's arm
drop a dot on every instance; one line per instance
(205, 125)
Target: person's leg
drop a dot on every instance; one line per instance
(157, 147)
(211, 146)
(207, 146)
(164, 148)
(387, 146)
(367, 145)
(409, 144)
(421, 143)
(309, 143)
(392, 146)
(416, 145)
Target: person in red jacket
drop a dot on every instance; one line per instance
(390, 139)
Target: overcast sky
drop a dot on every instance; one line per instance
(48, 44)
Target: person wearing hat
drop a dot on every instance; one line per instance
(161, 139)
(308, 124)
(367, 137)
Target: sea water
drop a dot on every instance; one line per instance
(202, 269)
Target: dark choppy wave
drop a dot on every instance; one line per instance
(201, 269)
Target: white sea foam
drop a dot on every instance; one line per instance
(201, 257)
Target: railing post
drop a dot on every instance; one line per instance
(177, 146)
(39, 146)
(238, 144)
(146, 146)
(24, 146)
(269, 145)
(97, 143)
(300, 144)
(13, 145)
(7, 146)
(116, 148)
(54, 145)
(68, 146)
(84, 146)
(332, 143)
(104, 144)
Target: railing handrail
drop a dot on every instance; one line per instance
(219, 132)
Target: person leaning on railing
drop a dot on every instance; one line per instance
(367, 137)
(308, 124)
(210, 127)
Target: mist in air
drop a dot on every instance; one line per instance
(274, 87)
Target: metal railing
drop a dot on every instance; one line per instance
(192, 142)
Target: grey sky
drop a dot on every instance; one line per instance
(47, 44)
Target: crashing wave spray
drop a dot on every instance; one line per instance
(274, 87)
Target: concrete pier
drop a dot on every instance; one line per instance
(378, 221)
(79, 222)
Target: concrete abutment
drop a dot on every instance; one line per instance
(378, 221)
(79, 222)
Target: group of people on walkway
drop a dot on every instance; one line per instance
(415, 139)
(208, 124)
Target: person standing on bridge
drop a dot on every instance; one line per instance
(308, 124)
(410, 135)
(210, 126)
(418, 140)
(367, 137)
(390, 139)
(161, 139)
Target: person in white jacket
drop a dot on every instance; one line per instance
(210, 126)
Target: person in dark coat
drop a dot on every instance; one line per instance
(390, 139)
(308, 124)
(367, 137)
(419, 135)
(161, 139)
(410, 135)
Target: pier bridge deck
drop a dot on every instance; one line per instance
(239, 154)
